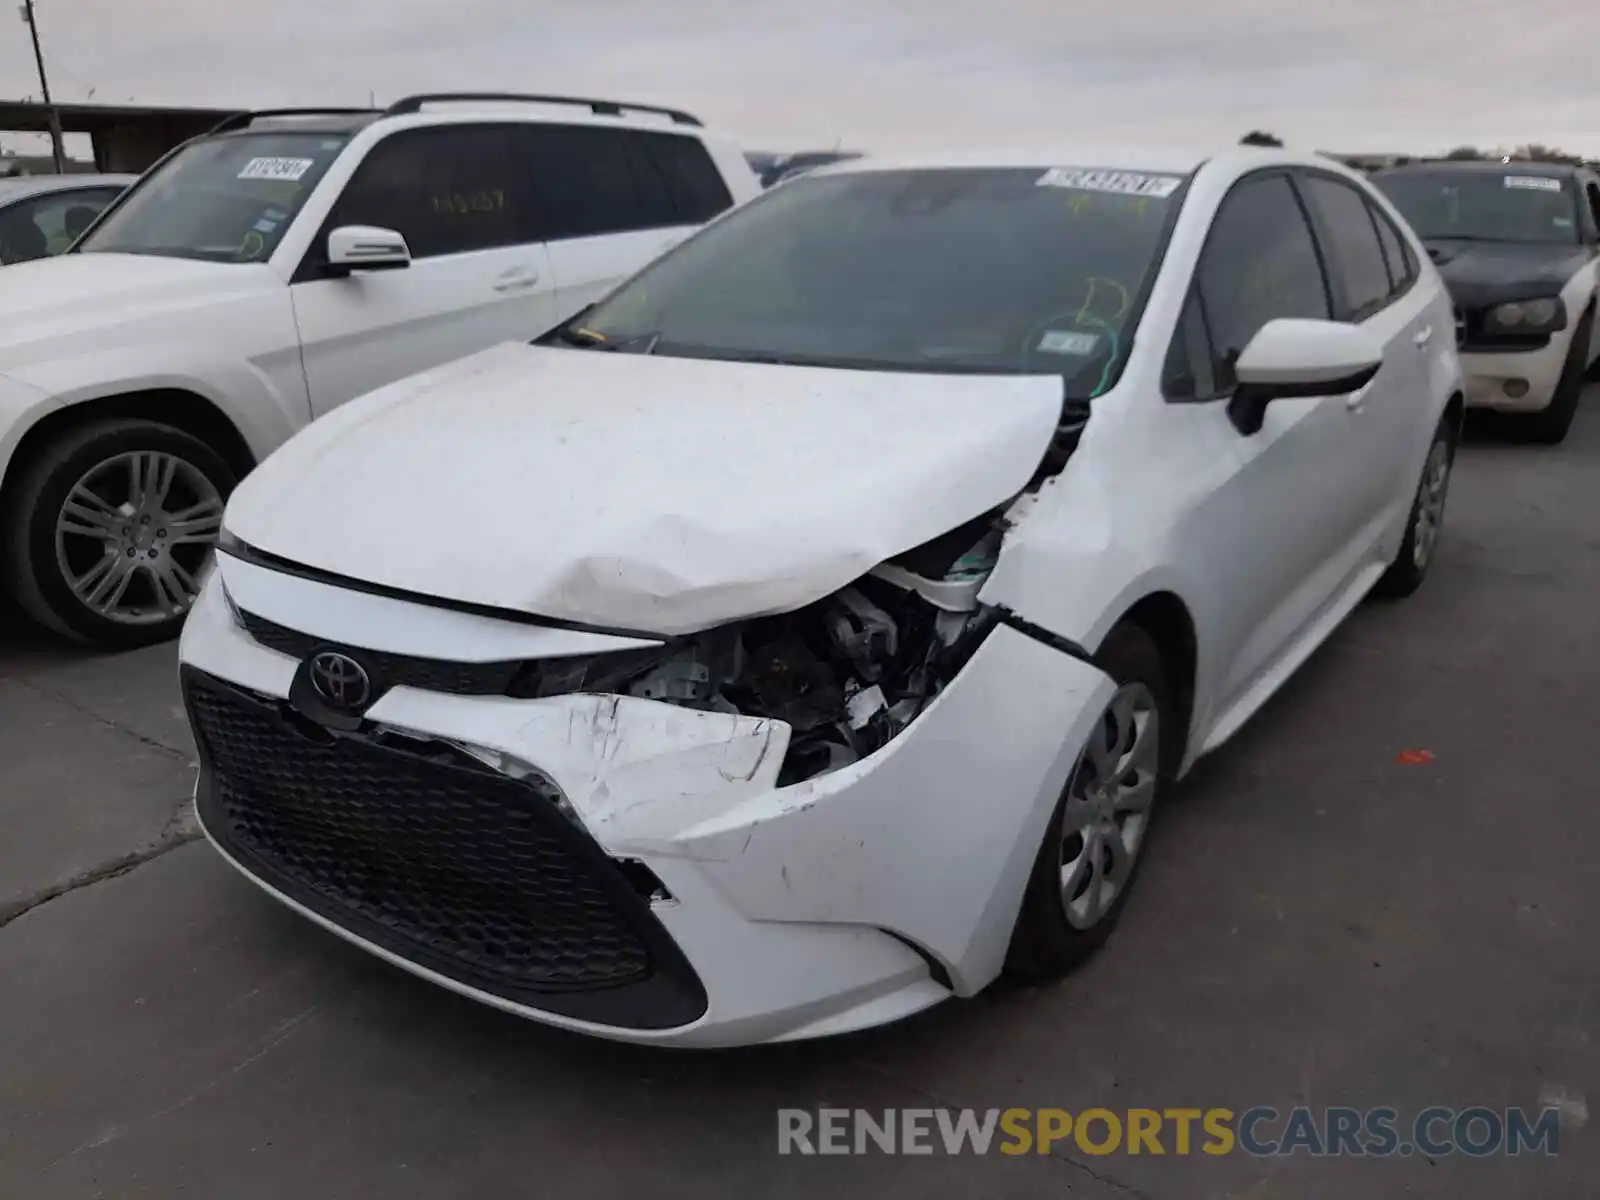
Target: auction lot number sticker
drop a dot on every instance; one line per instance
(1123, 183)
(284, 169)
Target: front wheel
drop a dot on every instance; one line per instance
(110, 530)
(1086, 868)
(1426, 519)
(1550, 425)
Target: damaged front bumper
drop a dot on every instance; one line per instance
(620, 865)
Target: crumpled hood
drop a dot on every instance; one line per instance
(1479, 273)
(641, 493)
(45, 302)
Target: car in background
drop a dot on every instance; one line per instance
(1518, 243)
(782, 167)
(42, 215)
(761, 161)
(810, 630)
(262, 275)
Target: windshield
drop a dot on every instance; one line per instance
(1488, 206)
(995, 271)
(225, 199)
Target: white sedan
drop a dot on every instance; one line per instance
(810, 631)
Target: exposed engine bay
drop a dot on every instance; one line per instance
(847, 673)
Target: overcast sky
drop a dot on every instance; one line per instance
(1356, 75)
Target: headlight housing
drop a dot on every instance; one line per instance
(1546, 315)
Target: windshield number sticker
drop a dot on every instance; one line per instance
(286, 170)
(1061, 341)
(1122, 183)
(1533, 183)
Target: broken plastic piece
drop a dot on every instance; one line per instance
(863, 632)
(680, 679)
(865, 705)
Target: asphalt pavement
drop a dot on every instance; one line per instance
(1383, 892)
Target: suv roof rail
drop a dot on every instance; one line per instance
(601, 108)
(243, 120)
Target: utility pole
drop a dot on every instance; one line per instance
(56, 152)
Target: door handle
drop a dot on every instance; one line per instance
(516, 279)
(1356, 400)
(1423, 336)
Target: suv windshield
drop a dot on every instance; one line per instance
(1491, 206)
(992, 271)
(225, 199)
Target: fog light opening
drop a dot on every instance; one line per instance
(1516, 388)
(645, 882)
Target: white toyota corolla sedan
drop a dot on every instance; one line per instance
(809, 631)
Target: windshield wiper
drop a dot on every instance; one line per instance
(588, 339)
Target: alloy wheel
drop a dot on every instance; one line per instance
(134, 534)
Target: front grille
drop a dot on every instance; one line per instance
(436, 858)
(392, 670)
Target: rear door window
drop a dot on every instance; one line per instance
(1355, 256)
(697, 187)
(1402, 267)
(592, 181)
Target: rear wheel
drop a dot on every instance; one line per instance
(110, 529)
(1092, 850)
(1551, 424)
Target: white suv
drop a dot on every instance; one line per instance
(286, 262)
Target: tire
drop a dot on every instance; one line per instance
(1550, 424)
(164, 547)
(1425, 521)
(1048, 940)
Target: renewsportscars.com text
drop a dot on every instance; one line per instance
(1436, 1132)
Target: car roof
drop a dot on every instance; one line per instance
(457, 108)
(1538, 170)
(1182, 159)
(321, 123)
(35, 185)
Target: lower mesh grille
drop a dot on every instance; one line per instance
(436, 858)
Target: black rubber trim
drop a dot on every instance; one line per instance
(247, 553)
(1039, 634)
(936, 969)
(1522, 345)
(670, 997)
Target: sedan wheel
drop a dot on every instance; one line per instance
(1108, 806)
(1426, 520)
(1098, 835)
(1429, 518)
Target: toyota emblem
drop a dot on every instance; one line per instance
(340, 681)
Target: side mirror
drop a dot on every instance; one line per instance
(1293, 358)
(367, 248)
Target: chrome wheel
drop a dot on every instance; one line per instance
(1430, 504)
(134, 534)
(1108, 805)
